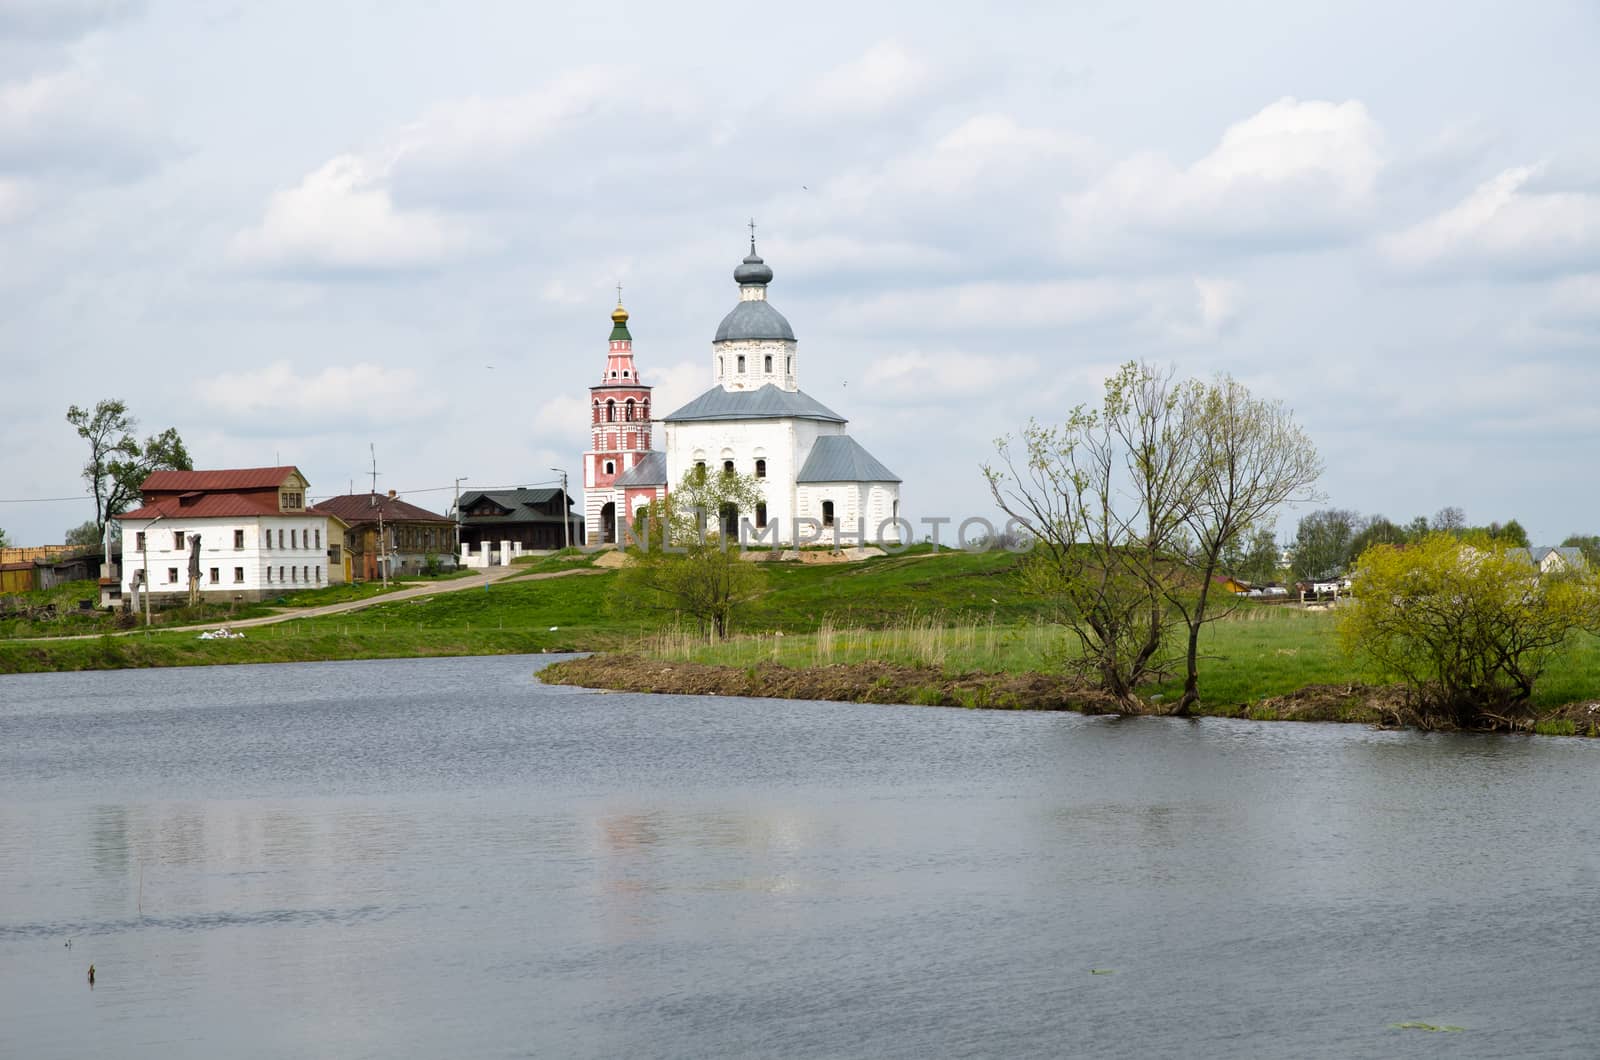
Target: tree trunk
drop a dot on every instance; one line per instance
(1191, 677)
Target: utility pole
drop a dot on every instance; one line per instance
(145, 549)
(566, 514)
(459, 481)
(383, 547)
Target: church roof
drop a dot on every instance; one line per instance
(651, 471)
(754, 319)
(766, 403)
(840, 458)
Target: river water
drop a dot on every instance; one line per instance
(444, 858)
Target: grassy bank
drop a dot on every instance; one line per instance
(952, 629)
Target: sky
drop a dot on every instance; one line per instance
(304, 233)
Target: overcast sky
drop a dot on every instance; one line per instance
(290, 230)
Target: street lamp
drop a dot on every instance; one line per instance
(144, 549)
(566, 515)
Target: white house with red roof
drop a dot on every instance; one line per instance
(257, 536)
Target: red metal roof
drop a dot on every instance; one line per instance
(209, 506)
(243, 478)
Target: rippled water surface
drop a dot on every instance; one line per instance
(433, 858)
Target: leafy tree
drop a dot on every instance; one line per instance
(85, 535)
(5, 542)
(1468, 628)
(1377, 530)
(118, 464)
(1322, 542)
(1260, 557)
(1104, 496)
(1510, 532)
(687, 561)
(1588, 544)
(1416, 529)
(1252, 459)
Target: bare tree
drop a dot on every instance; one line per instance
(1105, 495)
(1252, 458)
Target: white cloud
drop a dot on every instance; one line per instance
(277, 397)
(58, 19)
(914, 375)
(72, 121)
(1293, 173)
(675, 385)
(985, 306)
(1509, 223)
(342, 216)
(883, 77)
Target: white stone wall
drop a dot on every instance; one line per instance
(725, 364)
(239, 570)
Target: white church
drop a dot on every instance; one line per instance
(819, 483)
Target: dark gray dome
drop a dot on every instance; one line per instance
(753, 270)
(755, 319)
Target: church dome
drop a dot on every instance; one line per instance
(753, 269)
(754, 319)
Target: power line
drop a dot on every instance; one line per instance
(46, 500)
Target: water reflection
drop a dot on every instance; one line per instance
(540, 872)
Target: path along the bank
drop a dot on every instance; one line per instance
(492, 575)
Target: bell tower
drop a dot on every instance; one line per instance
(619, 431)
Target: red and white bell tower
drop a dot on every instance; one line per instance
(619, 432)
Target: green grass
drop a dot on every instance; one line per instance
(954, 611)
(566, 559)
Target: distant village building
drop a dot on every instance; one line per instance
(384, 529)
(258, 536)
(817, 481)
(499, 525)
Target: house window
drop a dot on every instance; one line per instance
(319, 575)
(238, 575)
(766, 365)
(761, 469)
(138, 541)
(269, 575)
(292, 500)
(727, 467)
(741, 364)
(827, 513)
(294, 539)
(177, 540)
(280, 537)
(305, 574)
(318, 532)
(294, 574)
(333, 554)
(280, 574)
(172, 575)
(238, 539)
(216, 576)
(761, 516)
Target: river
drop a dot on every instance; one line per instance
(442, 857)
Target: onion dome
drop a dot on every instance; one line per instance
(753, 269)
(619, 323)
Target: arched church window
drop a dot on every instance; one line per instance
(761, 516)
(611, 467)
(761, 469)
(727, 467)
(767, 364)
(611, 410)
(740, 364)
(827, 513)
(699, 470)
(789, 363)
(628, 410)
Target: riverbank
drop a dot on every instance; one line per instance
(880, 682)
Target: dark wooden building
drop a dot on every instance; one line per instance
(412, 537)
(531, 518)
